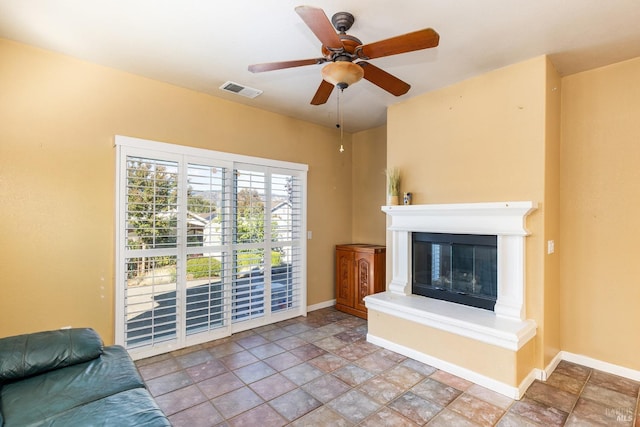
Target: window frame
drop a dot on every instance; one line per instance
(128, 146)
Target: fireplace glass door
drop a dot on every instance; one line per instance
(460, 268)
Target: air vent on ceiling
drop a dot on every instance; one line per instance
(239, 89)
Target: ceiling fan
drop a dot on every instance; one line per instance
(341, 50)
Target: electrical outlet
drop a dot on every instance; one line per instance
(551, 246)
(309, 235)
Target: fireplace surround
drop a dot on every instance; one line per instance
(505, 332)
(502, 219)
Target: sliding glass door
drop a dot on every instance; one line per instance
(208, 244)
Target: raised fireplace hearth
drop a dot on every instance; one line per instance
(475, 252)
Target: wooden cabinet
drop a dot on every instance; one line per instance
(360, 271)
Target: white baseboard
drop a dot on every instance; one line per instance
(589, 362)
(600, 365)
(469, 375)
(500, 387)
(544, 373)
(320, 305)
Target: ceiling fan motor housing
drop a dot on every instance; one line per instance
(349, 45)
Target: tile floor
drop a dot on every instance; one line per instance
(320, 371)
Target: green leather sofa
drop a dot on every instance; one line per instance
(68, 378)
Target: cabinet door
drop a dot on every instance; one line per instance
(344, 278)
(365, 275)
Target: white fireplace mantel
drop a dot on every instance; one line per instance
(506, 220)
(499, 218)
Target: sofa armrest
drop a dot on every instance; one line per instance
(26, 355)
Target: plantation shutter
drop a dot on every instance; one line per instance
(286, 235)
(251, 266)
(266, 234)
(207, 255)
(151, 252)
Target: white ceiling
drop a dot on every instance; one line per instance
(200, 44)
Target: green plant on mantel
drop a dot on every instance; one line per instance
(393, 181)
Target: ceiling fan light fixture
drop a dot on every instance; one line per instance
(342, 74)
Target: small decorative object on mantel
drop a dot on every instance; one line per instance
(406, 199)
(393, 185)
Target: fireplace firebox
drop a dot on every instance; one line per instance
(460, 268)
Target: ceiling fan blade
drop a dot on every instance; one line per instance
(270, 66)
(323, 93)
(318, 22)
(409, 42)
(384, 80)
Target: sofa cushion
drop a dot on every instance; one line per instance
(41, 397)
(31, 354)
(129, 408)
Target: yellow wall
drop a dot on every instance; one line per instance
(476, 141)
(600, 207)
(368, 181)
(551, 327)
(485, 140)
(57, 175)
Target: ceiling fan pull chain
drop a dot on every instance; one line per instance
(340, 122)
